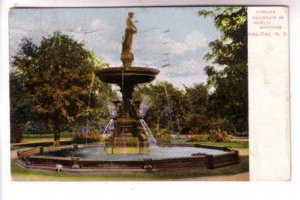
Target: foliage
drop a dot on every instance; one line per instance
(198, 138)
(223, 125)
(218, 136)
(36, 128)
(20, 103)
(82, 138)
(164, 137)
(199, 124)
(100, 95)
(168, 106)
(16, 133)
(163, 134)
(227, 77)
(56, 75)
(197, 99)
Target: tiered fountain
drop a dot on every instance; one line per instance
(129, 135)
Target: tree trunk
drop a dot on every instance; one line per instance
(56, 142)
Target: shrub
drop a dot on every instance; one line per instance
(198, 138)
(199, 124)
(223, 125)
(87, 137)
(165, 137)
(16, 133)
(163, 134)
(218, 136)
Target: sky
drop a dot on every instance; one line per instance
(171, 39)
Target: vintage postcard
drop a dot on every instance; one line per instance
(149, 93)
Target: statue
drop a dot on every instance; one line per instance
(127, 56)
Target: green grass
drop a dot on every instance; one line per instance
(19, 173)
(30, 138)
(41, 139)
(236, 145)
(50, 135)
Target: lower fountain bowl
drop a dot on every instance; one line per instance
(91, 158)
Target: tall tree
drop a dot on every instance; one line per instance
(57, 76)
(228, 76)
(197, 96)
(20, 103)
(100, 95)
(168, 106)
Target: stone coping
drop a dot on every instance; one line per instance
(133, 69)
(29, 159)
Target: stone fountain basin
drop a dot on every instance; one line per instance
(87, 158)
(134, 75)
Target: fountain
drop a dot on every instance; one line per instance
(127, 147)
(131, 134)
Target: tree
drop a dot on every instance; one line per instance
(228, 77)
(20, 102)
(168, 106)
(198, 99)
(100, 95)
(57, 76)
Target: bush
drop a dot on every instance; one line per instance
(165, 137)
(199, 124)
(198, 138)
(36, 128)
(82, 138)
(218, 136)
(163, 134)
(16, 133)
(223, 125)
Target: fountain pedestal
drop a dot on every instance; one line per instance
(128, 136)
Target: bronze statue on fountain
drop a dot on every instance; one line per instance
(127, 56)
(129, 136)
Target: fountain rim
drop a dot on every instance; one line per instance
(148, 70)
(31, 159)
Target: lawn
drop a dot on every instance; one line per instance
(46, 137)
(234, 144)
(43, 139)
(31, 138)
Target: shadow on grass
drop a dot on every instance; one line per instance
(21, 174)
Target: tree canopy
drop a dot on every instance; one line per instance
(168, 106)
(197, 96)
(228, 76)
(57, 76)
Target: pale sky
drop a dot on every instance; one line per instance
(176, 38)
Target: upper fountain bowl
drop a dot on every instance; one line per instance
(134, 75)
